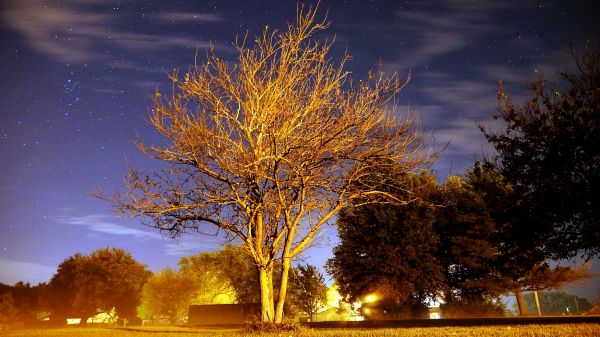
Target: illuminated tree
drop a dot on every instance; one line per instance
(167, 293)
(310, 293)
(84, 286)
(224, 276)
(268, 149)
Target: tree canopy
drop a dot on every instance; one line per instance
(268, 149)
(86, 285)
(390, 251)
(229, 272)
(22, 303)
(167, 293)
(310, 292)
(549, 149)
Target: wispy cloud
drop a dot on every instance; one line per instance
(191, 243)
(436, 31)
(65, 32)
(12, 271)
(465, 97)
(71, 32)
(102, 224)
(188, 246)
(188, 17)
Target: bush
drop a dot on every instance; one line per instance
(258, 327)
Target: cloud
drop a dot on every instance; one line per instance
(191, 243)
(188, 246)
(72, 32)
(466, 97)
(436, 32)
(188, 17)
(65, 32)
(12, 271)
(100, 224)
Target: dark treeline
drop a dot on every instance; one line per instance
(492, 230)
(110, 282)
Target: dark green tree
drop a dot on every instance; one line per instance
(390, 250)
(549, 149)
(8, 310)
(310, 289)
(27, 301)
(86, 285)
(471, 244)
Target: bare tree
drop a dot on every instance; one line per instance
(268, 149)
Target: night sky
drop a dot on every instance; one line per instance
(77, 77)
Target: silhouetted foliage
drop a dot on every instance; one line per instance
(390, 250)
(310, 290)
(86, 285)
(26, 300)
(473, 228)
(542, 277)
(8, 310)
(549, 149)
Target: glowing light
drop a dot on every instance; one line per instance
(370, 298)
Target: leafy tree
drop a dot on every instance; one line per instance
(8, 310)
(234, 275)
(267, 150)
(26, 300)
(86, 285)
(390, 251)
(167, 293)
(549, 149)
(473, 227)
(310, 290)
(230, 269)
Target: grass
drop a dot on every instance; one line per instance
(578, 330)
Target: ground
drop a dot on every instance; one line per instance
(580, 330)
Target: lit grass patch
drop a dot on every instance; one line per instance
(580, 330)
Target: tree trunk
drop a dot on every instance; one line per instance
(537, 302)
(266, 294)
(521, 302)
(285, 271)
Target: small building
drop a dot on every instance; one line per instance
(223, 314)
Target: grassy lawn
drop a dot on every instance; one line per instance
(579, 330)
